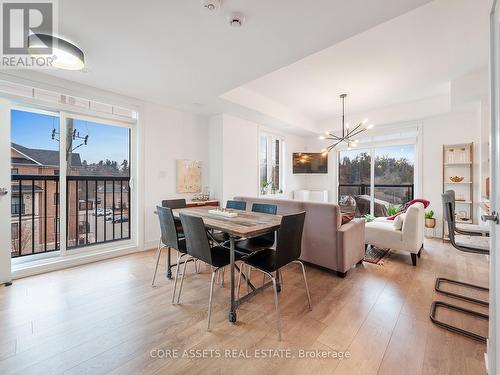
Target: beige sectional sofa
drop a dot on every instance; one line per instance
(325, 242)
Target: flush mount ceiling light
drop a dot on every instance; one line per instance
(211, 5)
(67, 55)
(347, 135)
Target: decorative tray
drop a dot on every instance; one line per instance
(223, 213)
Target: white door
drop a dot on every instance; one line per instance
(494, 332)
(5, 226)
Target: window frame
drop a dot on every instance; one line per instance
(371, 148)
(134, 160)
(270, 162)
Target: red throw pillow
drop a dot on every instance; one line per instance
(425, 202)
(347, 217)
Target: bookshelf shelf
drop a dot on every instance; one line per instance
(458, 160)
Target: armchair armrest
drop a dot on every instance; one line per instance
(351, 244)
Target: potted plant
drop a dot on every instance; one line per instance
(430, 221)
(264, 185)
(392, 210)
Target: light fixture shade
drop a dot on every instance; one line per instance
(67, 55)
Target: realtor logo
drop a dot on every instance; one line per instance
(21, 23)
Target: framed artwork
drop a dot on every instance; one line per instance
(188, 176)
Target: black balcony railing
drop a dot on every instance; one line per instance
(97, 211)
(385, 195)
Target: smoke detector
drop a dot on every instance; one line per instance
(236, 19)
(211, 5)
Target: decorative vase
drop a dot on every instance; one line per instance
(430, 223)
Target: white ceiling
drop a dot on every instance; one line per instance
(177, 53)
(411, 57)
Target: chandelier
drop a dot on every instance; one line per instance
(347, 134)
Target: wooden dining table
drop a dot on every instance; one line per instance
(246, 224)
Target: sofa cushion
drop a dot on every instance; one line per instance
(382, 234)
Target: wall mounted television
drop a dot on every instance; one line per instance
(310, 163)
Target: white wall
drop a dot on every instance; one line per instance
(234, 148)
(460, 127)
(169, 135)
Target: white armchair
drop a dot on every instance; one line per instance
(410, 238)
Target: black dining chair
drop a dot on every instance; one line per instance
(198, 246)
(173, 204)
(263, 241)
(288, 249)
(169, 239)
(467, 229)
(468, 244)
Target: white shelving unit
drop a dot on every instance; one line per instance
(458, 160)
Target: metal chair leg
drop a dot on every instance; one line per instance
(239, 280)
(277, 306)
(436, 304)
(176, 276)
(305, 282)
(222, 274)
(210, 298)
(249, 275)
(157, 262)
(182, 280)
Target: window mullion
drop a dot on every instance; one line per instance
(62, 185)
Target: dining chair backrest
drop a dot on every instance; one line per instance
(289, 245)
(452, 197)
(174, 203)
(169, 236)
(449, 214)
(236, 205)
(197, 244)
(266, 209)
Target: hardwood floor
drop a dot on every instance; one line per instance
(106, 318)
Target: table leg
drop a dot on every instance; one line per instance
(169, 264)
(232, 310)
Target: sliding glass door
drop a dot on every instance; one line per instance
(97, 182)
(70, 183)
(378, 180)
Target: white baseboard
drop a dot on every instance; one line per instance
(59, 263)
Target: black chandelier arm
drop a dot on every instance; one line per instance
(350, 133)
(334, 138)
(359, 132)
(331, 147)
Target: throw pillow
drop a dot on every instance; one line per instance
(425, 202)
(347, 217)
(398, 222)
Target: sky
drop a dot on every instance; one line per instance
(34, 130)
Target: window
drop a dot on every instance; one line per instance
(17, 206)
(377, 180)
(271, 168)
(14, 231)
(96, 174)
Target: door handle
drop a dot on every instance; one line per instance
(4, 191)
(492, 217)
